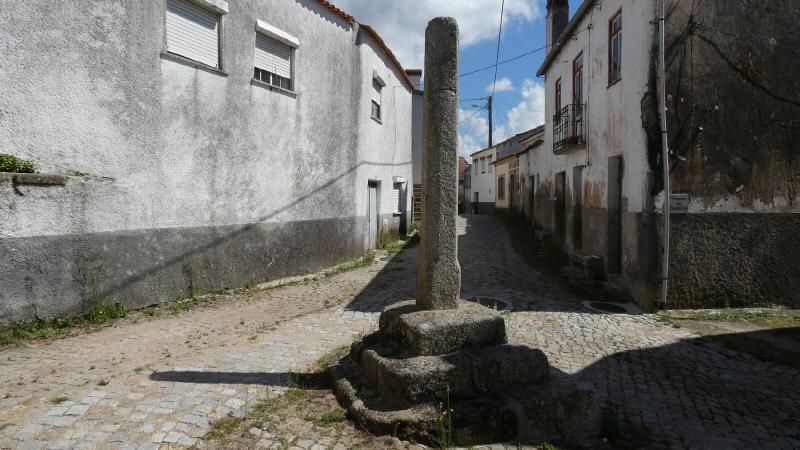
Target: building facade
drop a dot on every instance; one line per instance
(732, 127)
(482, 182)
(191, 146)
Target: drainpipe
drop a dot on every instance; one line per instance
(665, 150)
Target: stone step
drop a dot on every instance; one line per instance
(409, 379)
(558, 409)
(440, 332)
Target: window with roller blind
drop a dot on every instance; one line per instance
(376, 99)
(397, 197)
(193, 32)
(273, 62)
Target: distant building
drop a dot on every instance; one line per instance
(530, 144)
(482, 183)
(462, 167)
(506, 171)
(734, 133)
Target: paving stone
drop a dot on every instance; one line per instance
(685, 394)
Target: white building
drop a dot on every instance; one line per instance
(187, 146)
(482, 183)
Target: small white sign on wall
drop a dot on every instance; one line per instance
(678, 203)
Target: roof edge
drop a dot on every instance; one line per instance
(556, 48)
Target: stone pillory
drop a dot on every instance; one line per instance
(438, 273)
(435, 350)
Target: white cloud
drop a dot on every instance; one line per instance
(502, 85)
(473, 134)
(402, 23)
(529, 113)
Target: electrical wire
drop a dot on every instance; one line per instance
(497, 55)
(471, 116)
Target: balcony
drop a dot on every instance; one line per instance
(568, 129)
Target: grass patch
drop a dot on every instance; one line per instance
(224, 428)
(329, 359)
(11, 163)
(15, 334)
(401, 244)
(57, 400)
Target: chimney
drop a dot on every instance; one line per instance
(415, 75)
(557, 19)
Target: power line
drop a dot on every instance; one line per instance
(503, 62)
(471, 116)
(471, 99)
(499, 35)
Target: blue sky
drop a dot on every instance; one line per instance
(519, 94)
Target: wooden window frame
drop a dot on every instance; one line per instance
(577, 94)
(614, 76)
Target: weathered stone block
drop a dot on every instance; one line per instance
(468, 373)
(438, 332)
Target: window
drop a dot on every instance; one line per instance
(376, 99)
(397, 197)
(615, 48)
(273, 62)
(501, 188)
(577, 80)
(491, 167)
(193, 31)
(483, 165)
(558, 97)
(475, 163)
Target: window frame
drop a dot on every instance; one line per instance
(217, 8)
(557, 95)
(615, 76)
(577, 91)
(501, 187)
(376, 109)
(281, 37)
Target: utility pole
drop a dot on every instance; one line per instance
(489, 107)
(665, 151)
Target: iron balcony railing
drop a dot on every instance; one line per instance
(568, 128)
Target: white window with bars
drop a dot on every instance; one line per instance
(193, 31)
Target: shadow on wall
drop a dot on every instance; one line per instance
(141, 267)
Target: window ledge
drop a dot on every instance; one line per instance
(218, 6)
(397, 213)
(376, 120)
(38, 179)
(192, 63)
(279, 89)
(613, 83)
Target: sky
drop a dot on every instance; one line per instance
(519, 94)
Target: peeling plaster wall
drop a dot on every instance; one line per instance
(196, 180)
(734, 123)
(613, 127)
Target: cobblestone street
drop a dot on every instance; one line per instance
(160, 382)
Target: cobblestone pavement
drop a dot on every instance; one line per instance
(160, 382)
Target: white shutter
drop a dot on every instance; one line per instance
(376, 92)
(273, 56)
(397, 194)
(192, 32)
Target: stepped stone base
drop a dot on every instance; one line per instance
(401, 379)
(408, 378)
(443, 331)
(554, 410)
